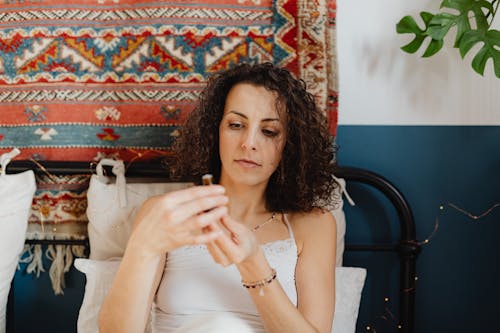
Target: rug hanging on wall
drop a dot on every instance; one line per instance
(85, 79)
(58, 211)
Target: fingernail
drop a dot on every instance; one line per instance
(219, 188)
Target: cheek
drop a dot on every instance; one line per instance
(277, 152)
(225, 143)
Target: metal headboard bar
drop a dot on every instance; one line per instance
(81, 242)
(154, 169)
(408, 248)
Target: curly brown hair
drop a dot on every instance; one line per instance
(303, 180)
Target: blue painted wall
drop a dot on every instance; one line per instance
(457, 290)
(431, 126)
(37, 309)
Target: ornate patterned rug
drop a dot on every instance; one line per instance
(84, 79)
(58, 211)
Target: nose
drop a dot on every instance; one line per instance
(249, 140)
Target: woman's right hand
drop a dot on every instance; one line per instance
(176, 219)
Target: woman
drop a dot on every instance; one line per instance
(260, 246)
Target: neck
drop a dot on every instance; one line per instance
(245, 201)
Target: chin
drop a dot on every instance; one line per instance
(247, 178)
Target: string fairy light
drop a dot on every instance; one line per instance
(140, 155)
(460, 210)
(388, 316)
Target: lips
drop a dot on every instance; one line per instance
(247, 163)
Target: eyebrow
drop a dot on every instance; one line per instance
(244, 116)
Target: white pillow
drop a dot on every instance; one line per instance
(112, 207)
(99, 275)
(349, 282)
(339, 215)
(16, 195)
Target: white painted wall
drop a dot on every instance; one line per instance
(380, 84)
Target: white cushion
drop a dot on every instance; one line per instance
(339, 215)
(110, 222)
(348, 287)
(349, 282)
(16, 195)
(99, 275)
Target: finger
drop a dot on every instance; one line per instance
(206, 237)
(188, 194)
(199, 225)
(224, 234)
(218, 225)
(195, 207)
(204, 220)
(218, 256)
(233, 226)
(226, 241)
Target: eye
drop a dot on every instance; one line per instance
(269, 133)
(235, 125)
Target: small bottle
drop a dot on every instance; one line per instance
(207, 179)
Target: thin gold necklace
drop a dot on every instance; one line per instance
(258, 226)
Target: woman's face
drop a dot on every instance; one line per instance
(251, 135)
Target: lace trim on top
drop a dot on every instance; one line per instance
(274, 248)
(278, 247)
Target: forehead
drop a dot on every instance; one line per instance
(252, 99)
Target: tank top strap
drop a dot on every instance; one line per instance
(290, 230)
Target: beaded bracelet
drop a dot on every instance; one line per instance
(261, 283)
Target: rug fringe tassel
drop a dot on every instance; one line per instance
(61, 257)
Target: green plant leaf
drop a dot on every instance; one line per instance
(466, 15)
(441, 24)
(434, 46)
(408, 25)
(462, 20)
(490, 49)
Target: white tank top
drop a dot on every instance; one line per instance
(194, 286)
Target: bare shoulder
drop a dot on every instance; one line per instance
(317, 220)
(315, 227)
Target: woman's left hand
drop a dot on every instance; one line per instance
(235, 245)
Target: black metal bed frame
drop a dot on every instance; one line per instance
(407, 248)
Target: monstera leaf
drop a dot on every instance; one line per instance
(490, 49)
(408, 25)
(459, 13)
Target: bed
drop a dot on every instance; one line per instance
(405, 247)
